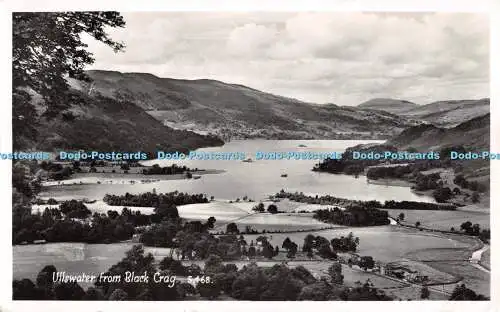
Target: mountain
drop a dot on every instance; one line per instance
(449, 113)
(472, 134)
(235, 111)
(388, 105)
(105, 124)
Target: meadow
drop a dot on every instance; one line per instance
(442, 220)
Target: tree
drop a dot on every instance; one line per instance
(442, 194)
(424, 293)
(25, 290)
(292, 250)
(93, 294)
(259, 208)
(466, 227)
(401, 217)
(232, 228)
(272, 208)
(366, 262)
(213, 264)
(186, 289)
(335, 273)
(267, 250)
(476, 228)
(485, 235)
(45, 278)
(211, 222)
(286, 243)
(308, 243)
(475, 197)
(47, 48)
(463, 293)
(319, 291)
(118, 295)
(68, 291)
(252, 252)
(209, 291)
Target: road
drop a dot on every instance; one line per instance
(476, 258)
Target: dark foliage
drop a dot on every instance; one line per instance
(154, 200)
(47, 47)
(463, 293)
(168, 170)
(353, 216)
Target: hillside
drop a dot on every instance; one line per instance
(472, 134)
(234, 111)
(106, 124)
(450, 113)
(388, 105)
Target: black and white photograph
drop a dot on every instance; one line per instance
(250, 156)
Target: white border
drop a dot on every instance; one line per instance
(9, 6)
(254, 5)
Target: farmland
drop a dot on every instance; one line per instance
(442, 220)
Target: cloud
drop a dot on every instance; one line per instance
(323, 57)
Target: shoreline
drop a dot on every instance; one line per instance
(124, 178)
(390, 182)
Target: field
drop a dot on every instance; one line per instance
(473, 278)
(292, 206)
(278, 222)
(442, 220)
(69, 257)
(454, 261)
(444, 256)
(222, 211)
(486, 259)
(383, 243)
(75, 257)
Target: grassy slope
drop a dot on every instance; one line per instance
(442, 220)
(214, 105)
(450, 113)
(474, 133)
(105, 124)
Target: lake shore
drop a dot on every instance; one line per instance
(123, 178)
(390, 182)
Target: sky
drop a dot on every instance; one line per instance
(344, 58)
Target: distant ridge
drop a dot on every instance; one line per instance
(233, 111)
(389, 105)
(450, 113)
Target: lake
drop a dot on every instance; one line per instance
(257, 179)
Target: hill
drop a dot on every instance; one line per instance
(235, 111)
(472, 134)
(105, 124)
(450, 113)
(388, 105)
